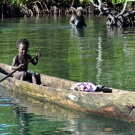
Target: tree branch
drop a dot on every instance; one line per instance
(98, 6)
(124, 8)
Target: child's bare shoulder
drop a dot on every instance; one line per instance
(16, 56)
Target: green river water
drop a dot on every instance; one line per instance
(104, 55)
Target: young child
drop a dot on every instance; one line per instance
(21, 58)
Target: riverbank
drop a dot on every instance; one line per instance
(35, 8)
(116, 14)
(30, 9)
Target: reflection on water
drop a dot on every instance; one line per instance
(77, 32)
(99, 60)
(125, 48)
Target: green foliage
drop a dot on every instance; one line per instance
(18, 1)
(86, 1)
(114, 2)
(117, 1)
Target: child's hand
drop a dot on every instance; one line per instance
(38, 55)
(21, 66)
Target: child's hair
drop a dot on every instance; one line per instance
(23, 41)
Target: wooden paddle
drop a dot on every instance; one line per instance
(17, 69)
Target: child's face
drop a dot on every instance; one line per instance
(22, 49)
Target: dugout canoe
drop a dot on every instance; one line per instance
(118, 104)
(98, 124)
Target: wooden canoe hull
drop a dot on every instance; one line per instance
(118, 104)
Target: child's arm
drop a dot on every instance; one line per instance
(35, 61)
(14, 65)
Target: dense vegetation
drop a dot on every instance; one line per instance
(118, 12)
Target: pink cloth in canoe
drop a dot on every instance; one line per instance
(86, 86)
